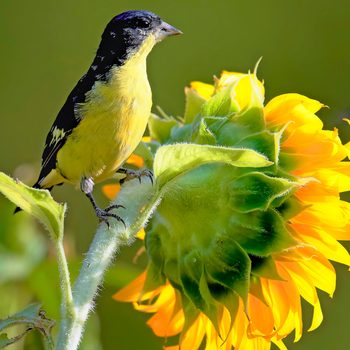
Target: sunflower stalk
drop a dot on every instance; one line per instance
(106, 243)
(67, 305)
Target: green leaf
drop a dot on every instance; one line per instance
(38, 203)
(160, 128)
(33, 318)
(173, 160)
(6, 341)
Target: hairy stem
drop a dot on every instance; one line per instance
(100, 255)
(67, 305)
(139, 200)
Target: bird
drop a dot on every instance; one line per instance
(105, 116)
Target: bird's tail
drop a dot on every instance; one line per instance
(36, 185)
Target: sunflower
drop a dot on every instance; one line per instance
(233, 249)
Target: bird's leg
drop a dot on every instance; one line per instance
(132, 174)
(87, 186)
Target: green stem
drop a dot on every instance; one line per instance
(67, 305)
(140, 200)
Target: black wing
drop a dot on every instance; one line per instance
(66, 120)
(68, 117)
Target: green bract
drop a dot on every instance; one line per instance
(225, 201)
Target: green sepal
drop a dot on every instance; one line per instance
(241, 125)
(228, 265)
(263, 142)
(215, 123)
(37, 203)
(190, 313)
(231, 302)
(153, 245)
(181, 133)
(251, 117)
(231, 133)
(256, 191)
(291, 207)
(193, 105)
(221, 104)
(160, 128)
(173, 160)
(211, 307)
(261, 233)
(154, 278)
(265, 267)
(202, 135)
(195, 286)
(190, 271)
(256, 288)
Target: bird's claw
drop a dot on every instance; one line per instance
(114, 206)
(131, 174)
(104, 215)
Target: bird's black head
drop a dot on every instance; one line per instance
(126, 32)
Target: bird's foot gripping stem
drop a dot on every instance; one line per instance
(134, 174)
(103, 215)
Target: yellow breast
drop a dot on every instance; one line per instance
(114, 119)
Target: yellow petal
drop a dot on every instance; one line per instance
(324, 242)
(335, 176)
(246, 87)
(294, 107)
(141, 234)
(203, 90)
(136, 160)
(317, 317)
(146, 139)
(156, 299)
(192, 339)
(131, 292)
(320, 272)
(279, 344)
(330, 216)
(111, 190)
(260, 325)
(307, 291)
(169, 319)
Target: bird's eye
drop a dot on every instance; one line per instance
(142, 23)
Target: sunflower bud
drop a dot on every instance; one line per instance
(232, 182)
(219, 223)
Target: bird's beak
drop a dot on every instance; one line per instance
(165, 29)
(169, 30)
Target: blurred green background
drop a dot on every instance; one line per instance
(47, 45)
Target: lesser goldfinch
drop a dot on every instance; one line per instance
(104, 117)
